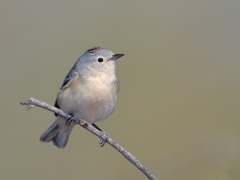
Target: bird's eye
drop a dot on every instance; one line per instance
(100, 59)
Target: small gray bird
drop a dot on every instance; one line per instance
(88, 92)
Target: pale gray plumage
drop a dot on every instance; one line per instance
(89, 91)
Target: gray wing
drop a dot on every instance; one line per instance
(72, 73)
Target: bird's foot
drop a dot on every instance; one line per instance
(70, 118)
(103, 139)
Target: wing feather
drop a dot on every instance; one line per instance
(66, 83)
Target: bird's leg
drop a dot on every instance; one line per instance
(94, 125)
(104, 138)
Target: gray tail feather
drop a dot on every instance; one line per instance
(58, 132)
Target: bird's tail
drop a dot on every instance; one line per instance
(58, 132)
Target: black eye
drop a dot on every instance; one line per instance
(100, 59)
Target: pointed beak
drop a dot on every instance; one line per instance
(116, 56)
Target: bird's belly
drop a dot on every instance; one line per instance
(88, 105)
(93, 111)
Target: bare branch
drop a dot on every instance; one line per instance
(34, 102)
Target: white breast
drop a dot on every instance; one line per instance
(92, 100)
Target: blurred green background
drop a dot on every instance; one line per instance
(179, 105)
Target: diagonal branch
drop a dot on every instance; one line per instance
(34, 102)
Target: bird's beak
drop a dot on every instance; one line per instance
(116, 56)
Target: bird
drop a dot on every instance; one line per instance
(89, 91)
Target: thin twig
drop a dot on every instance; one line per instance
(34, 102)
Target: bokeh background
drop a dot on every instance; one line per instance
(179, 105)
